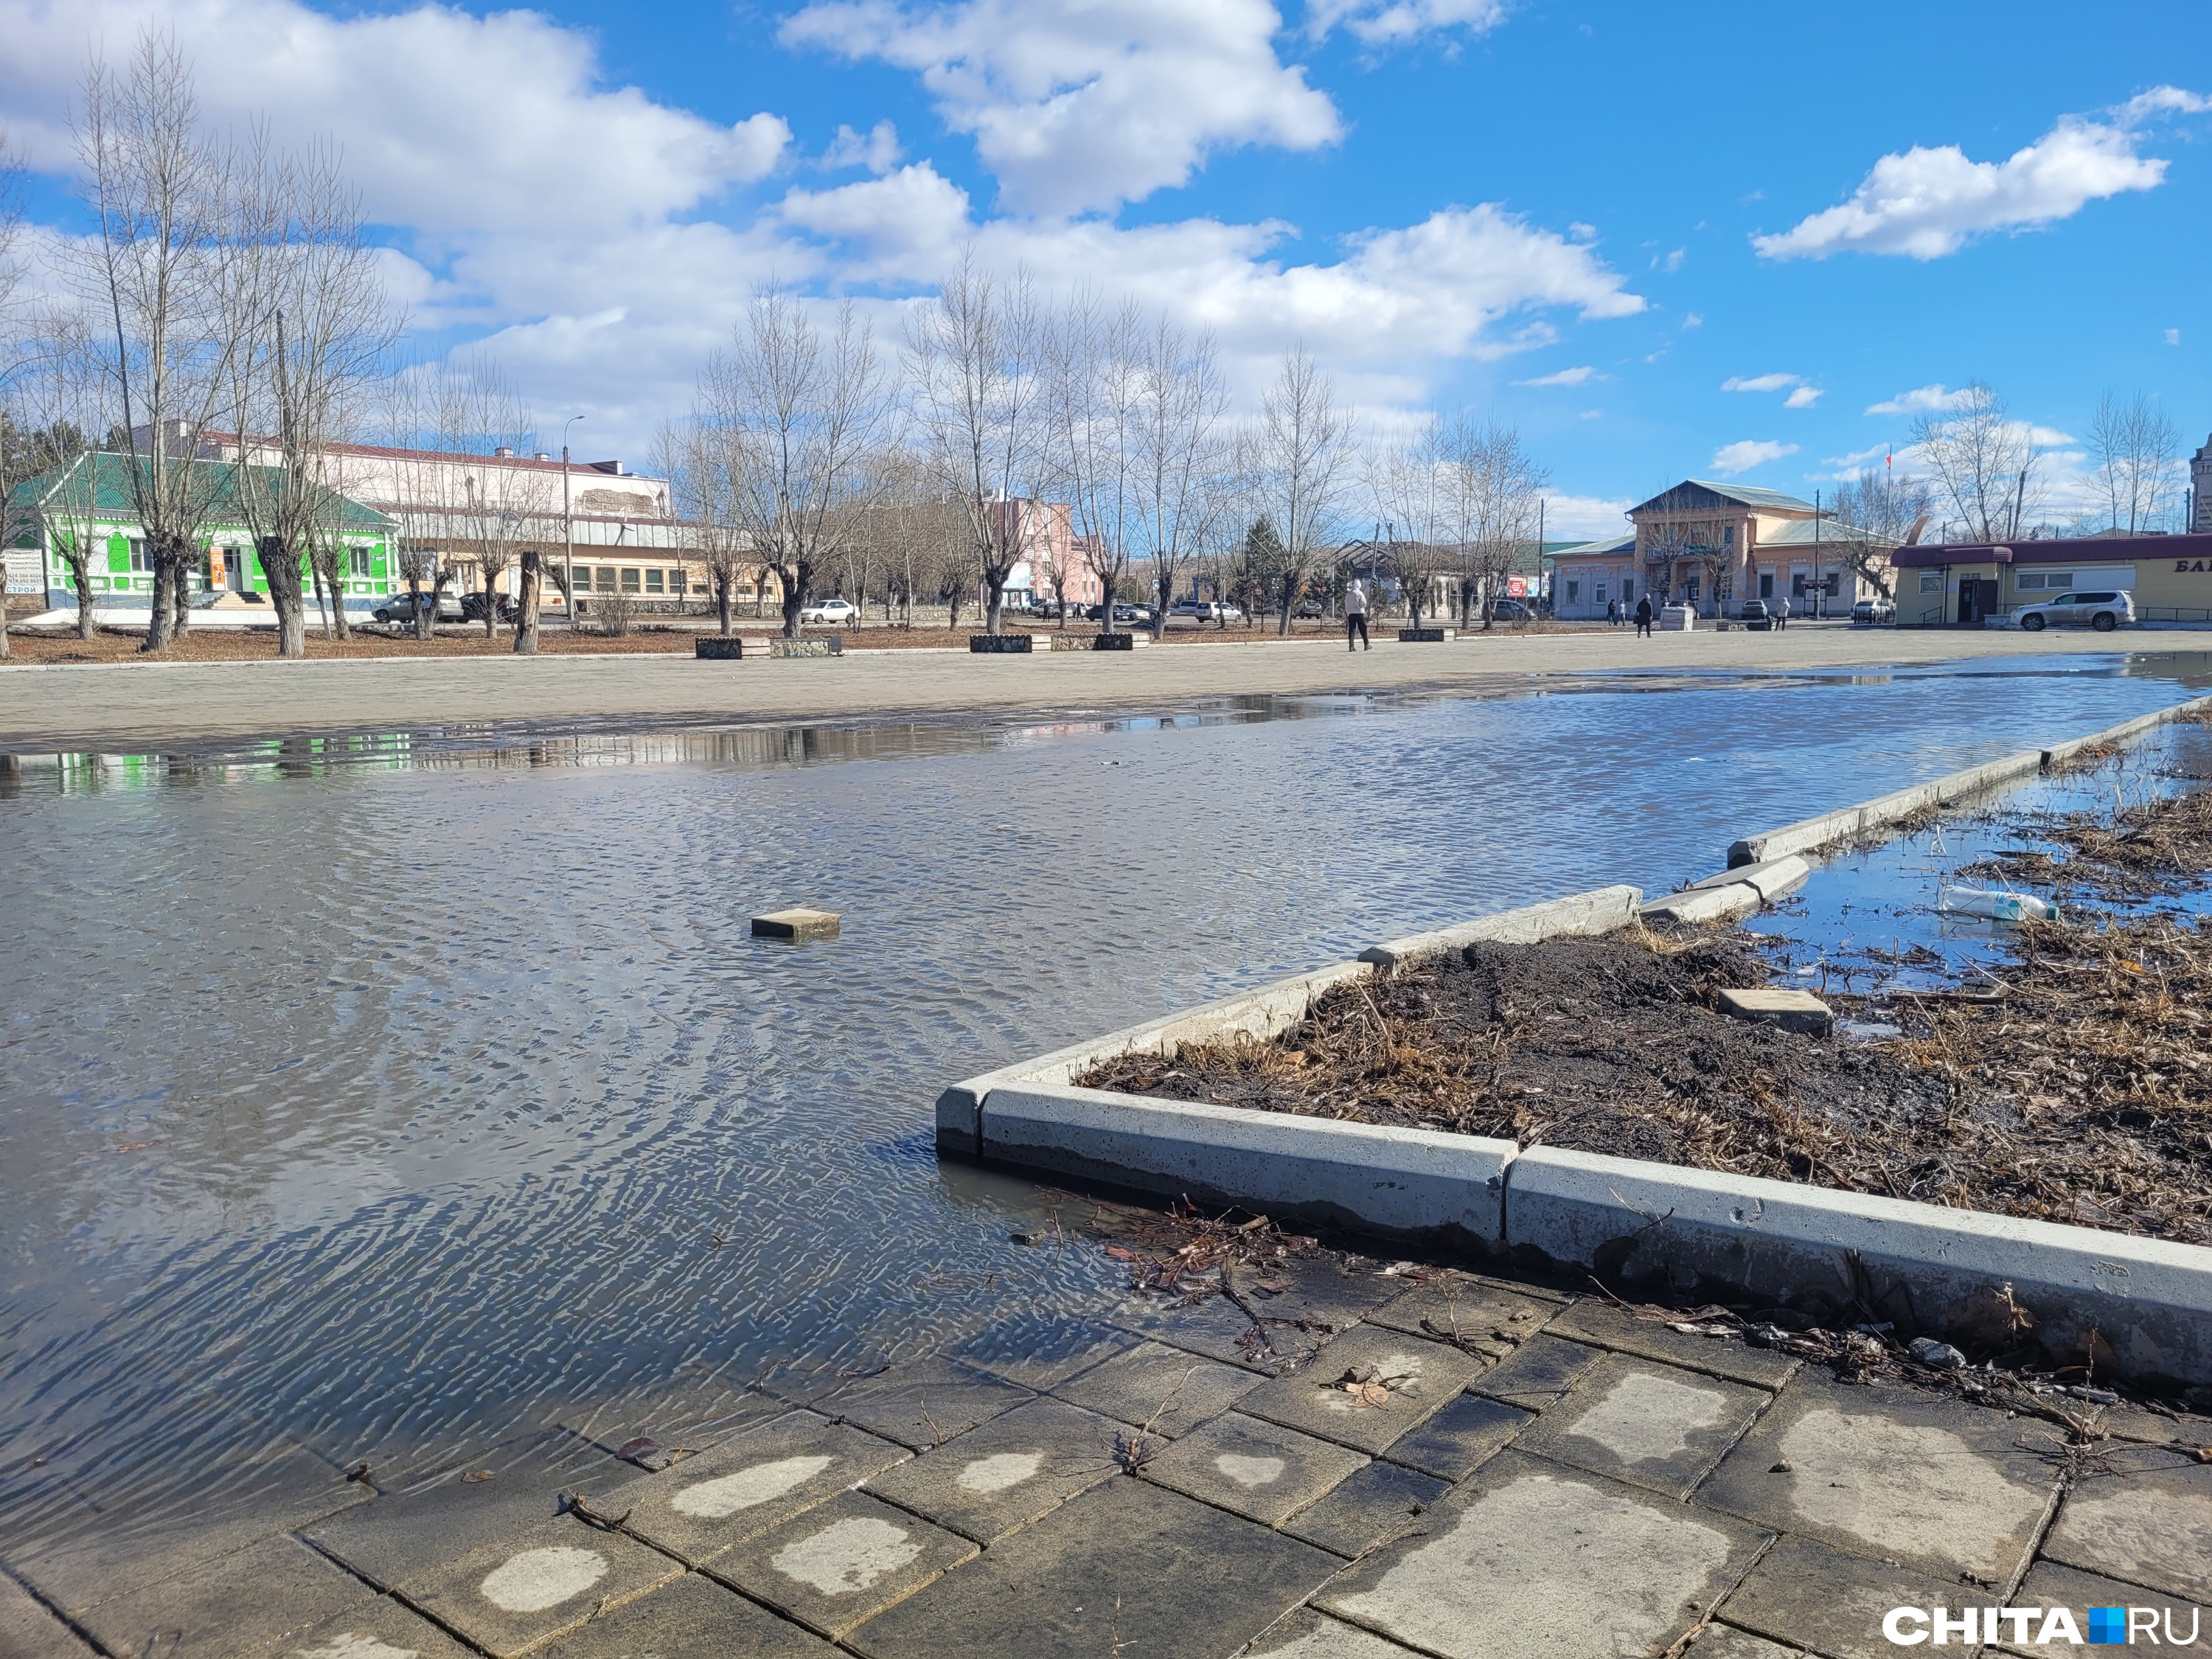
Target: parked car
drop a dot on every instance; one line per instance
(1873, 613)
(2103, 612)
(400, 608)
(472, 608)
(1755, 616)
(1135, 615)
(1309, 610)
(1512, 610)
(828, 611)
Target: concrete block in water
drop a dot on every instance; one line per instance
(1771, 1004)
(1601, 910)
(1770, 879)
(1700, 905)
(796, 925)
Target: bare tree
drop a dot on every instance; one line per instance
(1983, 462)
(700, 496)
(1884, 509)
(1299, 454)
(799, 415)
(1412, 482)
(158, 268)
(17, 352)
(1181, 492)
(973, 362)
(311, 320)
(1496, 489)
(2134, 447)
(1093, 397)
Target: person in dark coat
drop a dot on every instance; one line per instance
(1644, 616)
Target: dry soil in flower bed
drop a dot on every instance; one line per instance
(2085, 1095)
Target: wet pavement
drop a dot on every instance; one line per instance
(1565, 1476)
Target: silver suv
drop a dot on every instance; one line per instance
(2102, 611)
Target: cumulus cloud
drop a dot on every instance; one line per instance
(1732, 458)
(1922, 400)
(877, 150)
(1588, 517)
(1926, 202)
(1803, 397)
(1388, 23)
(1758, 382)
(1576, 376)
(1082, 104)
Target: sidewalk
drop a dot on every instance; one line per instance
(1337, 1461)
(132, 707)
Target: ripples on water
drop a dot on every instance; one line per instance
(397, 1095)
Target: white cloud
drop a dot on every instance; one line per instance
(1672, 261)
(1588, 517)
(1078, 104)
(1857, 457)
(1758, 382)
(2173, 336)
(878, 149)
(1928, 203)
(1692, 319)
(1387, 22)
(1732, 458)
(1575, 376)
(1921, 400)
(1803, 398)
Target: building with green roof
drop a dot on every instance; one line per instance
(92, 496)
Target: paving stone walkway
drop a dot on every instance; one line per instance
(1560, 1476)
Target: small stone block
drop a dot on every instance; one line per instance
(1468, 1310)
(28, 1630)
(1793, 1011)
(516, 1594)
(1539, 1372)
(234, 1603)
(2050, 1586)
(1309, 1635)
(1805, 1595)
(797, 925)
(1253, 1468)
(708, 648)
(1127, 1564)
(1460, 1439)
(836, 1566)
(1169, 1390)
(1648, 1425)
(1375, 1505)
(373, 1631)
(922, 1404)
(1607, 1327)
(694, 1618)
(1366, 1388)
(2150, 1523)
(1008, 1471)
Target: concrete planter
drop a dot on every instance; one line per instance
(1098, 641)
(995, 644)
(834, 645)
(1426, 635)
(713, 648)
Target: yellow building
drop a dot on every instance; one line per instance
(1971, 585)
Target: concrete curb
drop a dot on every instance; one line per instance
(1599, 911)
(1403, 1182)
(1696, 906)
(1921, 1265)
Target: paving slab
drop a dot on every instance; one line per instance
(283, 1486)
(1726, 1642)
(1052, 1360)
(2050, 1586)
(1604, 1325)
(1321, 1290)
(749, 1484)
(1170, 1389)
(1127, 1562)
(1253, 1468)
(1477, 1310)
(692, 1618)
(922, 1404)
(241, 1603)
(381, 1629)
(2151, 1524)
(1538, 1373)
(835, 1566)
(1460, 1439)
(1007, 1471)
(1366, 1388)
(1372, 1506)
(516, 1594)
(407, 1532)
(1645, 1423)
(1911, 1476)
(28, 1630)
(1217, 1328)
(1531, 1558)
(1804, 1594)
(674, 1426)
(1309, 1635)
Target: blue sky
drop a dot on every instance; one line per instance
(1552, 212)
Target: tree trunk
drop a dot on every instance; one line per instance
(281, 567)
(180, 593)
(322, 595)
(82, 572)
(795, 585)
(1291, 583)
(722, 601)
(421, 617)
(162, 622)
(3, 615)
(525, 625)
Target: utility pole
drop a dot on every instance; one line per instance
(568, 530)
(1819, 589)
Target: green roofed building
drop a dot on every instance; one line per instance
(92, 497)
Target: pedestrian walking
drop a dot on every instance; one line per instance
(1782, 613)
(1355, 616)
(1644, 617)
(1613, 613)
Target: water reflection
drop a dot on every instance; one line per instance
(398, 1094)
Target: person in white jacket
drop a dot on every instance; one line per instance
(1355, 615)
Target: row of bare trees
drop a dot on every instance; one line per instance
(1461, 499)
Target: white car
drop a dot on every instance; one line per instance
(828, 611)
(2103, 612)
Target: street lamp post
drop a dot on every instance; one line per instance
(568, 530)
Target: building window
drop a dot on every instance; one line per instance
(1627, 589)
(359, 557)
(1728, 537)
(676, 583)
(652, 581)
(1766, 583)
(607, 578)
(1931, 581)
(2058, 579)
(139, 567)
(1574, 593)
(630, 579)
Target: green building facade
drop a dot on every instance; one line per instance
(92, 496)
